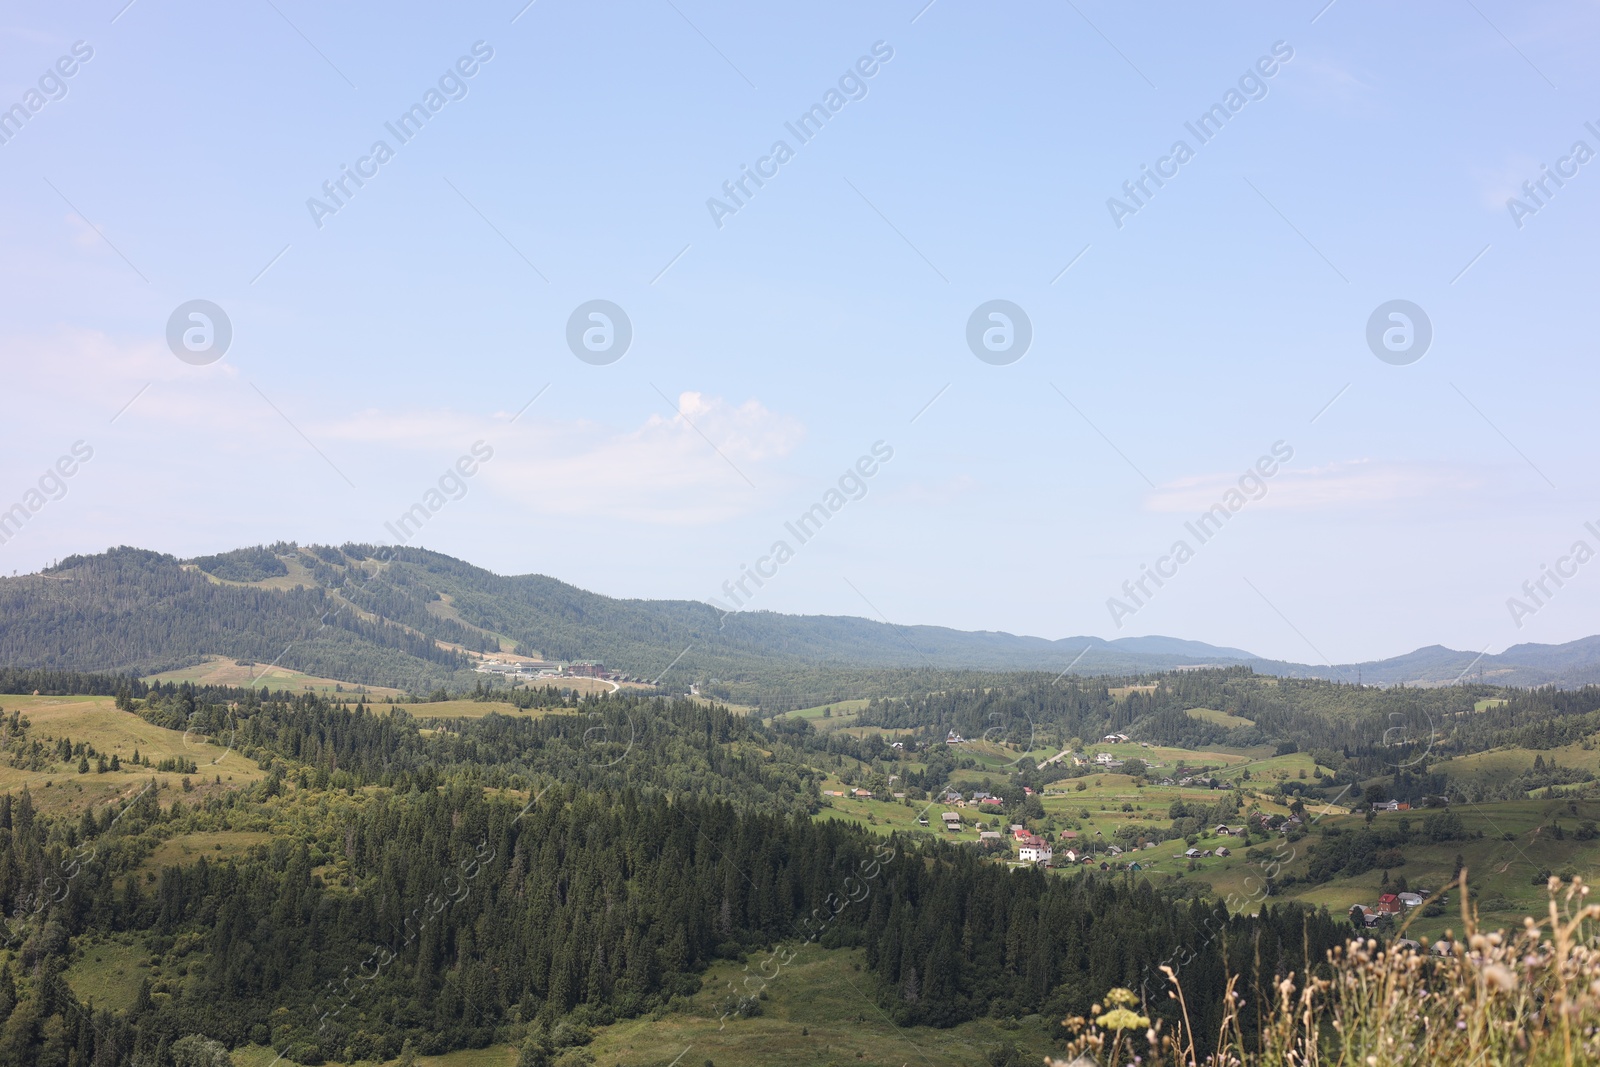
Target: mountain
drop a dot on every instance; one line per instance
(1569, 665)
(416, 619)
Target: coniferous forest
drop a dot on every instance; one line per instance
(430, 885)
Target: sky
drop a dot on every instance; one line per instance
(1336, 313)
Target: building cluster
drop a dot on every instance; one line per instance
(1390, 904)
(533, 670)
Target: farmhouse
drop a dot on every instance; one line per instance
(1411, 900)
(1039, 853)
(952, 821)
(1115, 739)
(1389, 904)
(953, 738)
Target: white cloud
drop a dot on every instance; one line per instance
(677, 468)
(1343, 485)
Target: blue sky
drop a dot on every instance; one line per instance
(771, 352)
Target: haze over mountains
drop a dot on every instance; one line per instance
(418, 620)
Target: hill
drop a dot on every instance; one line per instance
(417, 620)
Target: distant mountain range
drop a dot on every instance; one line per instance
(417, 620)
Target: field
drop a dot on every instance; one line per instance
(818, 1011)
(493, 1056)
(1221, 718)
(213, 845)
(219, 670)
(109, 971)
(97, 721)
(829, 716)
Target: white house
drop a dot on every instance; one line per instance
(1034, 853)
(1411, 900)
(1115, 739)
(953, 738)
(1104, 758)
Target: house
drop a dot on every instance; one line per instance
(1385, 805)
(989, 835)
(897, 744)
(1389, 904)
(1229, 831)
(953, 738)
(992, 802)
(1224, 851)
(1034, 853)
(1411, 900)
(1113, 850)
(922, 820)
(949, 796)
(1105, 759)
(981, 795)
(1360, 913)
(865, 794)
(1115, 739)
(1069, 835)
(1135, 866)
(1070, 855)
(833, 792)
(1406, 942)
(1027, 790)
(952, 821)
(1192, 853)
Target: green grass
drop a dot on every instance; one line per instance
(213, 845)
(1221, 718)
(463, 709)
(109, 972)
(493, 1056)
(821, 1010)
(97, 721)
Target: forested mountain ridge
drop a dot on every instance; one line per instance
(340, 612)
(408, 618)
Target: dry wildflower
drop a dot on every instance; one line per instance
(1499, 978)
